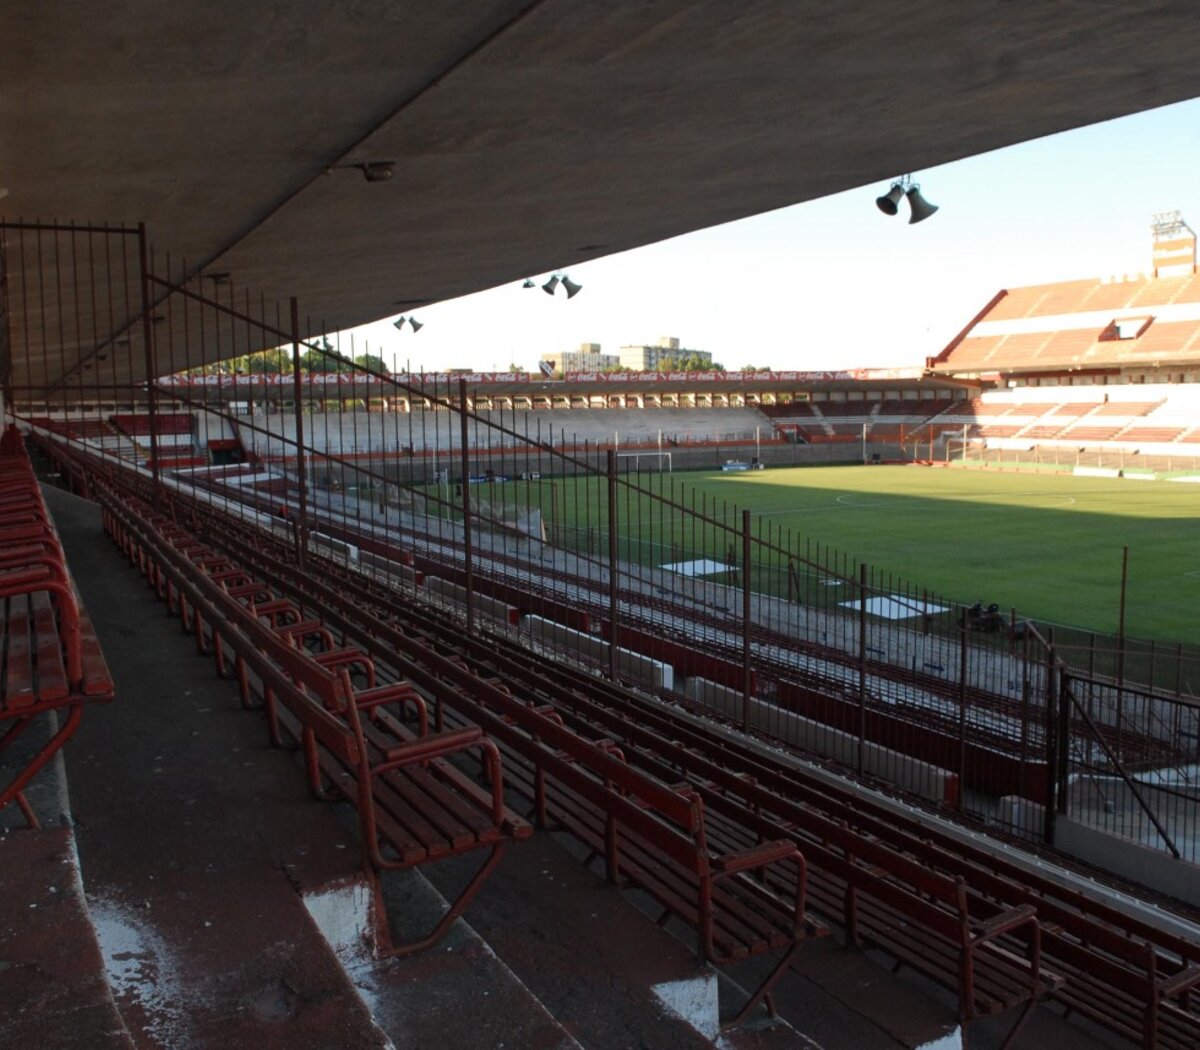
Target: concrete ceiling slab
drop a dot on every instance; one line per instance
(525, 136)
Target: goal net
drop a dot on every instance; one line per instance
(657, 462)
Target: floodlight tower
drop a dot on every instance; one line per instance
(1174, 245)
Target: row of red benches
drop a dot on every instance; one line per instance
(947, 910)
(649, 831)
(884, 897)
(49, 653)
(364, 741)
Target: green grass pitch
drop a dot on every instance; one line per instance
(1048, 545)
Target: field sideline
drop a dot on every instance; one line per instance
(1050, 545)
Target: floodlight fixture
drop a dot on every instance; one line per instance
(919, 208)
(551, 286)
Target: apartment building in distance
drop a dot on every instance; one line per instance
(667, 349)
(588, 358)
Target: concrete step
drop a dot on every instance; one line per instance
(53, 987)
(194, 836)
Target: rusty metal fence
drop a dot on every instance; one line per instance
(609, 559)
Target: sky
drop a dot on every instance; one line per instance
(833, 283)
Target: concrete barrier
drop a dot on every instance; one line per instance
(392, 569)
(497, 610)
(911, 774)
(634, 665)
(1096, 472)
(1122, 856)
(341, 550)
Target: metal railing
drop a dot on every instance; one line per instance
(618, 564)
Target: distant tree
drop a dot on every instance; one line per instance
(372, 361)
(688, 362)
(321, 361)
(266, 361)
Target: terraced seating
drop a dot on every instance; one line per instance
(1155, 434)
(997, 977)
(748, 798)
(1091, 433)
(652, 833)
(50, 657)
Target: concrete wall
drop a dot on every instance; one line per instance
(497, 610)
(1131, 860)
(911, 774)
(392, 569)
(634, 665)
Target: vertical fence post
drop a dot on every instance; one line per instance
(465, 467)
(613, 612)
(745, 619)
(148, 340)
(1062, 773)
(963, 669)
(1121, 619)
(1025, 790)
(862, 661)
(301, 465)
(1051, 751)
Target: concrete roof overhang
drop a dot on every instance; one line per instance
(525, 136)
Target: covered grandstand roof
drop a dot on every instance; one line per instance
(1078, 325)
(371, 157)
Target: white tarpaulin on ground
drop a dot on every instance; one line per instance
(701, 567)
(896, 607)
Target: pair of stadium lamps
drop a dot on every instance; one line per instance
(549, 288)
(551, 285)
(903, 187)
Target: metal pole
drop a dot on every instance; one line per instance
(613, 617)
(148, 340)
(1062, 773)
(301, 466)
(963, 656)
(465, 467)
(862, 661)
(1121, 617)
(745, 619)
(1051, 753)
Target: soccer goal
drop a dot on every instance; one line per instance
(660, 458)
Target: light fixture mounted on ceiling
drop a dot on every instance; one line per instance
(399, 323)
(372, 170)
(904, 186)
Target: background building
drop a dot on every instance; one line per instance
(588, 358)
(667, 355)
